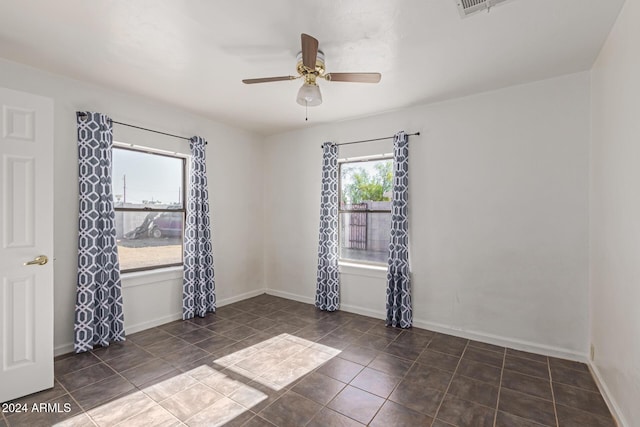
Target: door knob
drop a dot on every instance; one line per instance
(39, 260)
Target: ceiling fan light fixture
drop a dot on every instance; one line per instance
(309, 95)
(310, 67)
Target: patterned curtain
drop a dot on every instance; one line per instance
(198, 291)
(99, 317)
(399, 311)
(328, 283)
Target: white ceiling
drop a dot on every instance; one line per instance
(193, 53)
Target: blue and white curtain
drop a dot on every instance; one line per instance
(399, 311)
(99, 317)
(198, 290)
(328, 280)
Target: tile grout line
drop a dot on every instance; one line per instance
(367, 366)
(524, 374)
(77, 403)
(504, 359)
(134, 390)
(289, 387)
(435, 416)
(553, 395)
(592, 414)
(404, 376)
(578, 388)
(198, 381)
(326, 406)
(416, 361)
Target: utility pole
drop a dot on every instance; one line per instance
(124, 189)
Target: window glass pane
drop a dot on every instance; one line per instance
(146, 180)
(149, 239)
(364, 236)
(365, 188)
(365, 181)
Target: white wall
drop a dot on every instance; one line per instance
(498, 214)
(234, 165)
(615, 214)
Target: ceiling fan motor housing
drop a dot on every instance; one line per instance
(311, 75)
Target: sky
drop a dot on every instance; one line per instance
(148, 177)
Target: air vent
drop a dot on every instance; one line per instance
(468, 7)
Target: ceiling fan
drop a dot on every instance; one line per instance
(310, 66)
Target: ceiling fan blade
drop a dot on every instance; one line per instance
(354, 77)
(268, 79)
(309, 51)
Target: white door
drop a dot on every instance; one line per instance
(26, 235)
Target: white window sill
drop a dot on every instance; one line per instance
(147, 277)
(367, 270)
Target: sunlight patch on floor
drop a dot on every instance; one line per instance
(278, 361)
(205, 396)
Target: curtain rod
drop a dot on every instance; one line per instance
(371, 140)
(141, 128)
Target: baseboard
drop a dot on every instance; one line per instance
(376, 314)
(291, 296)
(240, 297)
(130, 329)
(608, 398)
(62, 349)
(138, 327)
(502, 341)
(449, 330)
(345, 307)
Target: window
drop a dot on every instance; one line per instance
(365, 210)
(149, 201)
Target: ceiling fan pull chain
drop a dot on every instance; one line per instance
(306, 110)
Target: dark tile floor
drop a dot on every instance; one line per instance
(269, 361)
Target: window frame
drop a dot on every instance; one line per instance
(183, 210)
(347, 160)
